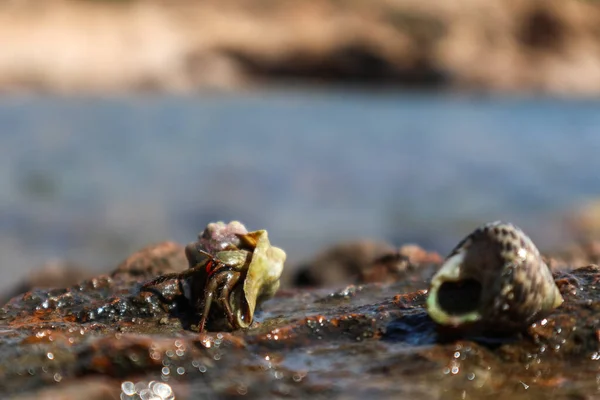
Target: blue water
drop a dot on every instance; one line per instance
(90, 179)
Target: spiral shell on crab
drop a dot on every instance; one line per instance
(259, 264)
(495, 278)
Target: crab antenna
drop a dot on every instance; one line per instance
(207, 254)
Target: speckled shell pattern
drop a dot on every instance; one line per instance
(517, 285)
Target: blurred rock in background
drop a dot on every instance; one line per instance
(361, 261)
(53, 274)
(180, 45)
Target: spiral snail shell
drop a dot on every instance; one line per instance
(494, 278)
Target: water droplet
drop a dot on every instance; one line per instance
(57, 377)
(242, 389)
(455, 370)
(165, 371)
(162, 390)
(179, 352)
(50, 356)
(139, 386)
(457, 354)
(470, 376)
(181, 370)
(202, 368)
(128, 388)
(146, 394)
(282, 388)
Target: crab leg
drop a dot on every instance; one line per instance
(174, 275)
(209, 291)
(227, 279)
(232, 279)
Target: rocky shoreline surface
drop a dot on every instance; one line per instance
(366, 336)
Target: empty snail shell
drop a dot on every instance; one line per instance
(495, 278)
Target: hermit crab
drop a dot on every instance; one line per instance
(232, 271)
(495, 279)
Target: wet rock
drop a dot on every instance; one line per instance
(88, 388)
(373, 340)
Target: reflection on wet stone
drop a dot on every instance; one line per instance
(153, 390)
(105, 338)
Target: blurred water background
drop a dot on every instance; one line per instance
(91, 179)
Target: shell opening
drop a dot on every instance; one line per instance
(459, 297)
(454, 299)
